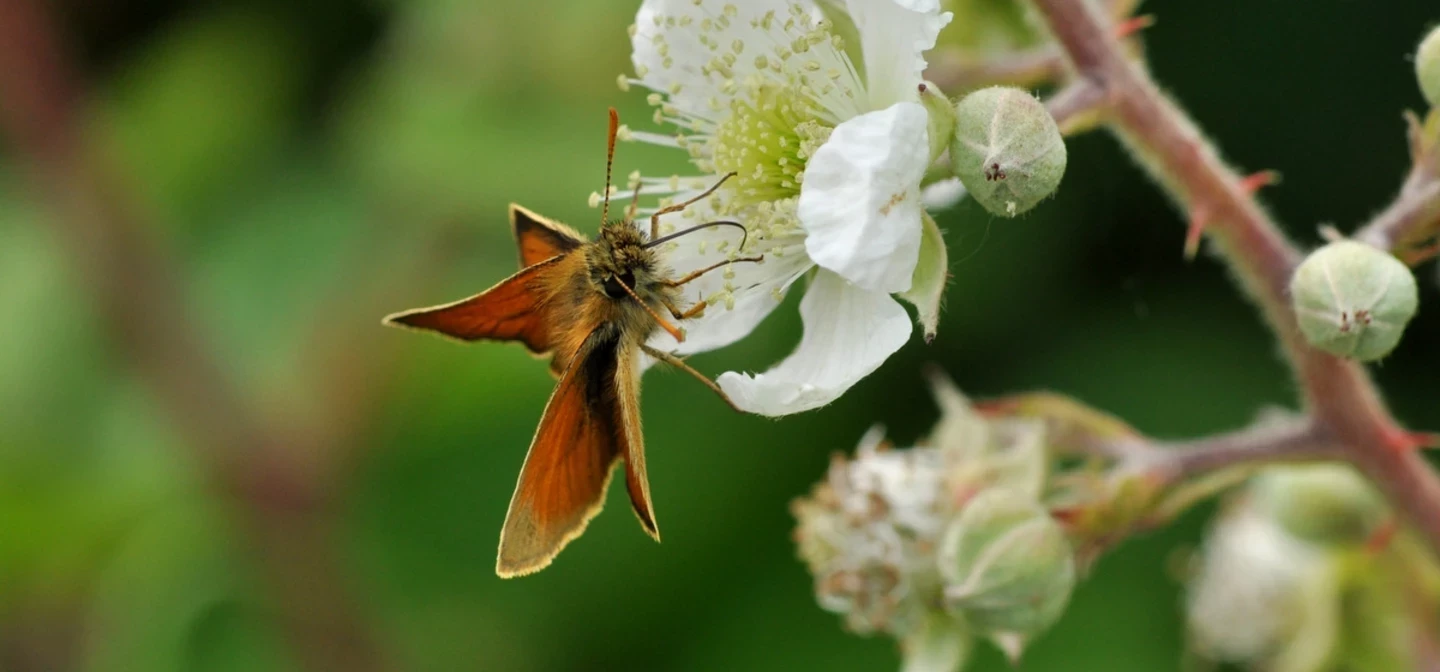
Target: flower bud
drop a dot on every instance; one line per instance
(1322, 503)
(1427, 67)
(1353, 300)
(1006, 150)
(1007, 566)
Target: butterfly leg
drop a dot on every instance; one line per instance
(655, 218)
(694, 311)
(695, 274)
(679, 363)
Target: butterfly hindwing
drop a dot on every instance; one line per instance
(627, 408)
(590, 423)
(567, 470)
(540, 238)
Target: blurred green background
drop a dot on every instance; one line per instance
(310, 167)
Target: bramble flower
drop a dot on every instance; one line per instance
(828, 142)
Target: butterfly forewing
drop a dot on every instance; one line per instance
(514, 310)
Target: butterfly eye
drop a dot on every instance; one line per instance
(613, 288)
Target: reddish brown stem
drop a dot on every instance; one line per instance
(137, 290)
(1338, 393)
(1292, 441)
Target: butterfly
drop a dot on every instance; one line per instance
(592, 305)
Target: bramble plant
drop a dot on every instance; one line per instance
(841, 140)
(844, 126)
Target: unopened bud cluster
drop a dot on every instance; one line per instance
(940, 543)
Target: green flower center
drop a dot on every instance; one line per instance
(766, 140)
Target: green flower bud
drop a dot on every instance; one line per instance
(1353, 300)
(1007, 566)
(1006, 150)
(1427, 67)
(1322, 503)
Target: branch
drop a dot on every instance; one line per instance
(954, 70)
(1265, 443)
(1409, 224)
(1339, 394)
(138, 293)
(1072, 106)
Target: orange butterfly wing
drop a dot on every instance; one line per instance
(540, 238)
(513, 310)
(585, 429)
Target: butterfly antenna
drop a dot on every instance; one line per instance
(609, 161)
(745, 233)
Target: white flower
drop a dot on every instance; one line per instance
(828, 154)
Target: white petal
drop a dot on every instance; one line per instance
(860, 202)
(894, 36)
(660, 22)
(943, 195)
(849, 332)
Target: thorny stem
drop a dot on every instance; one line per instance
(1344, 404)
(281, 497)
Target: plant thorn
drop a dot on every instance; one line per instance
(1199, 217)
(1380, 539)
(1133, 25)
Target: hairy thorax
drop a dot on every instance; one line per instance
(617, 257)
